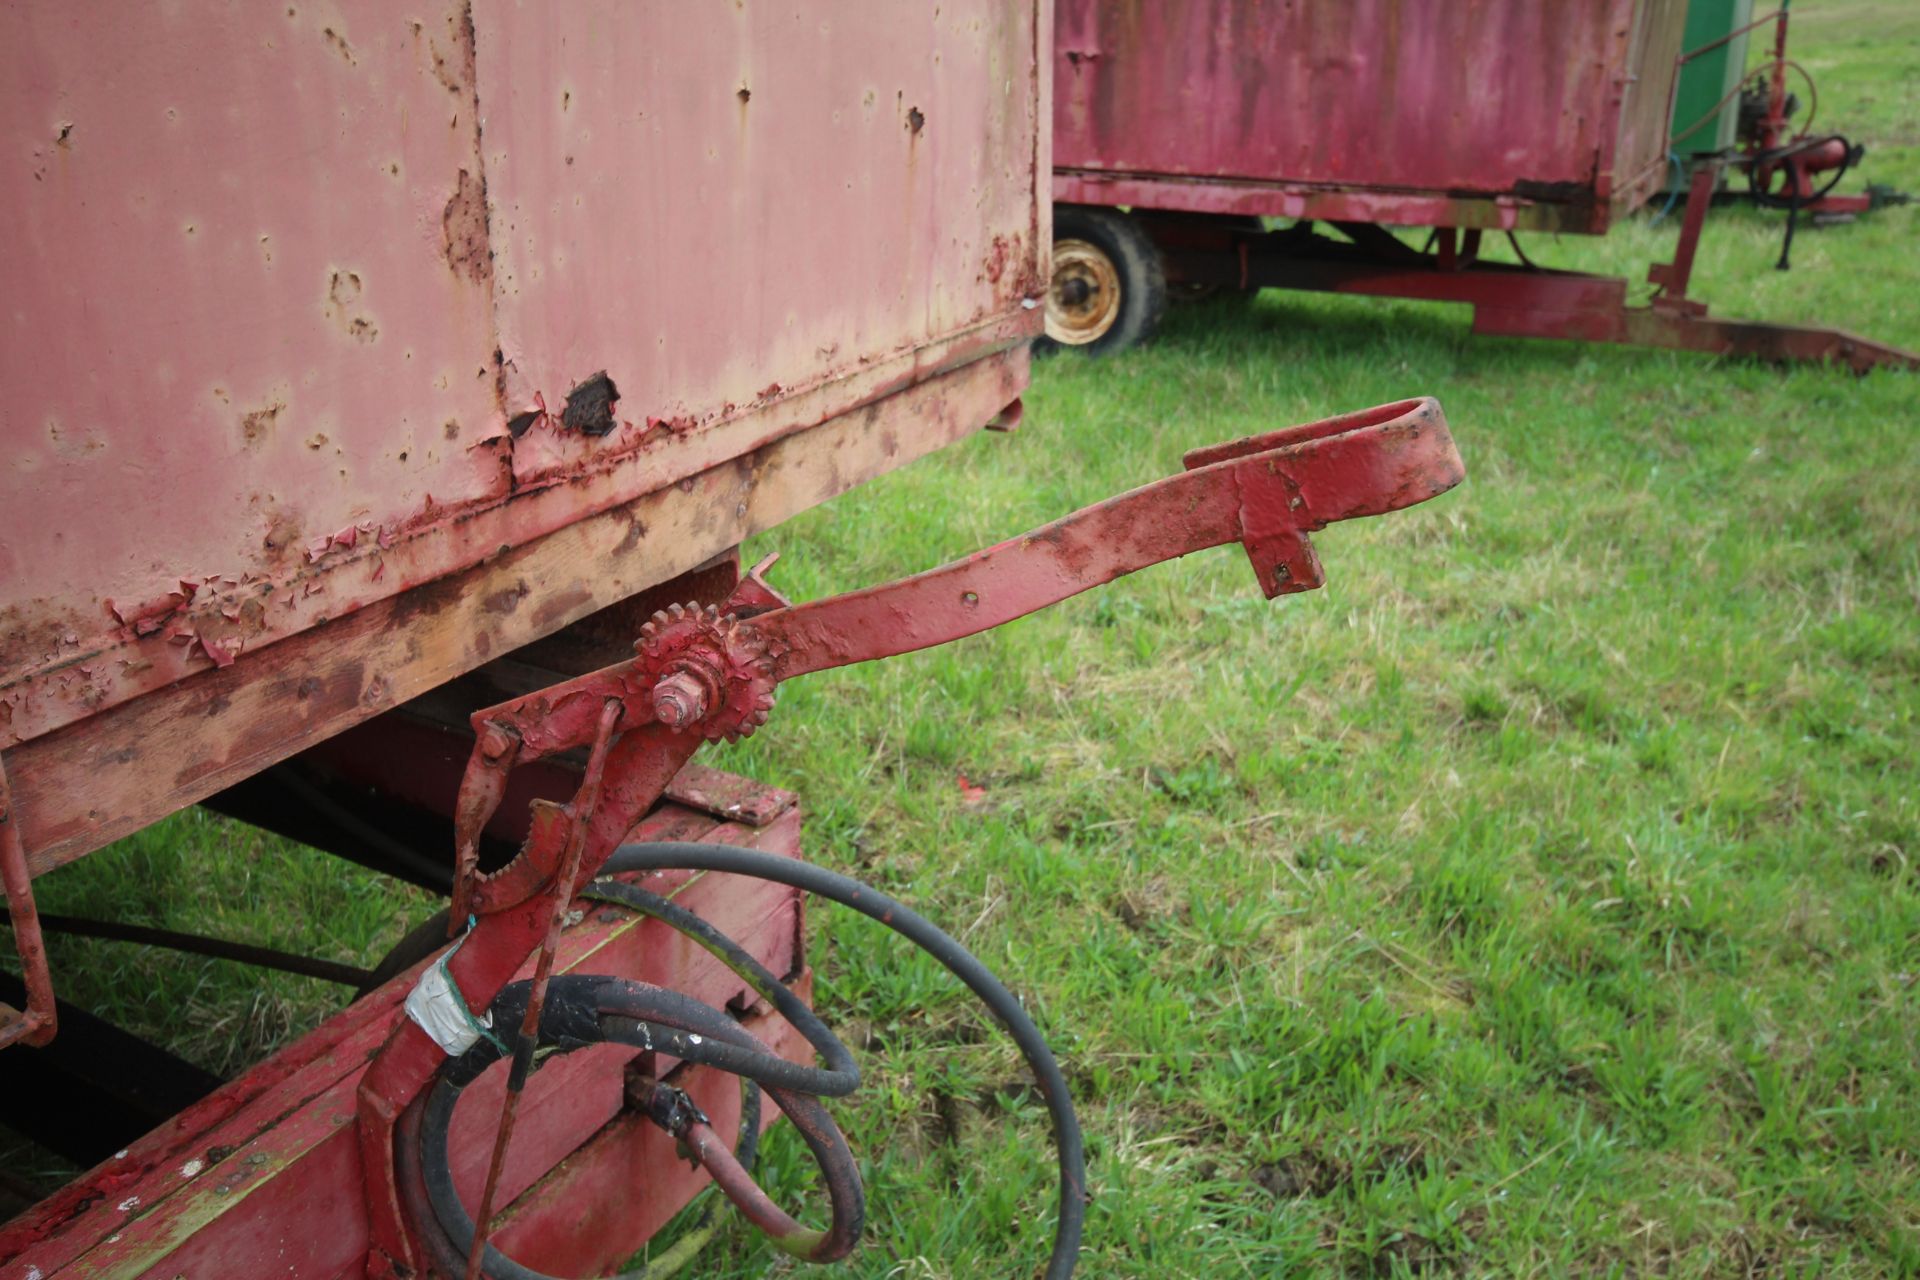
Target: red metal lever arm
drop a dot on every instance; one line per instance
(1266, 492)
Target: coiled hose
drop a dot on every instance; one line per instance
(584, 1009)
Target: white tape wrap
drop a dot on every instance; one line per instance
(436, 1005)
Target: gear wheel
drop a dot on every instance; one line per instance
(723, 657)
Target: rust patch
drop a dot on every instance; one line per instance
(463, 221)
(343, 306)
(258, 425)
(464, 227)
(339, 45)
(590, 406)
(996, 263)
(499, 380)
(455, 71)
(283, 532)
(507, 599)
(38, 623)
(916, 120)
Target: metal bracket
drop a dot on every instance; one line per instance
(35, 1026)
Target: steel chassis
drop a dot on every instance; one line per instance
(1512, 300)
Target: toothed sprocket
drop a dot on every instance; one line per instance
(725, 656)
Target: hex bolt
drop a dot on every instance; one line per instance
(495, 742)
(679, 700)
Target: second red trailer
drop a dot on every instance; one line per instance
(1181, 129)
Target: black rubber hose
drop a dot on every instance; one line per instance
(592, 1009)
(1794, 203)
(1767, 200)
(1005, 1007)
(841, 1075)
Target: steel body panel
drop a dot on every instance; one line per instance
(270, 329)
(1491, 113)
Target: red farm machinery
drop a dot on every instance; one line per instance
(1182, 131)
(390, 391)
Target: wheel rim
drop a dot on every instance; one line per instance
(1083, 298)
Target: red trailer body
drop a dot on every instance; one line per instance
(1446, 113)
(312, 342)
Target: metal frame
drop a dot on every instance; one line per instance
(1511, 300)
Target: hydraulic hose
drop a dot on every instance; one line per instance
(592, 1009)
(1795, 202)
(1002, 1003)
(584, 1010)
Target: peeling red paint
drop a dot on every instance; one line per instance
(145, 619)
(222, 650)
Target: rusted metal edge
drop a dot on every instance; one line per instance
(118, 664)
(92, 782)
(36, 1024)
(728, 796)
(118, 1207)
(1325, 203)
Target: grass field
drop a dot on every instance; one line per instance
(1541, 897)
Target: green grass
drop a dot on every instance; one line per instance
(1541, 897)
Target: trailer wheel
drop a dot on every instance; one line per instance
(1107, 292)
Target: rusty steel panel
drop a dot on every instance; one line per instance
(311, 306)
(110, 774)
(1504, 113)
(796, 188)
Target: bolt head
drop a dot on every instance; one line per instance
(679, 700)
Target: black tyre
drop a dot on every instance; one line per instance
(1107, 290)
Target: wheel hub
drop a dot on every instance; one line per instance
(1083, 298)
